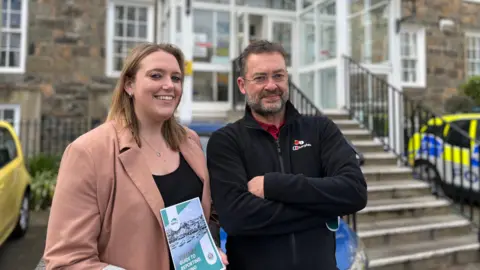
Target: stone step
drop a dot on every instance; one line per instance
(388, 172)
(426, 255)
(387, 209)
(364, 146)
(357, 134)
(379, 190)
(466, 266)
(379, 158)
(344, 124)
(411, 230)
(335, 115)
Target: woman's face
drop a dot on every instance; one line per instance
(157, 88)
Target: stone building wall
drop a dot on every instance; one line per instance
(445, 53)
(65, 56)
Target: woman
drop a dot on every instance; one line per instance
(114, 180)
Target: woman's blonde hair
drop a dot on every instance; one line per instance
(122, 108)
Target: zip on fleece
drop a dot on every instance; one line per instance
(292, 236)
(282, 170)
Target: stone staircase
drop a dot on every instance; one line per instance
(404, 226)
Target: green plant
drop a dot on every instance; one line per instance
(471, 88)
(43, 162)
(43, 187)
(459, 104)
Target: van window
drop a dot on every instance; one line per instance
(8, 149)
(436, 130)
(456, 138)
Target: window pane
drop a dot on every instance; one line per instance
(4, 19)
(142, 31)
(202, 86)
(203, 31)
(210, 86)
(222, 86)
(118, 63)
(282, 33)
(130, 30)
(223, 38)
(328, 99)
(15, 5)
(131, 14)
(119, 13)
(179, 19)
(307, 84)
(15, 20)
(14, 41)
(14, 59)
(5, 37)
(142, 14)
(8, 115)
(119, 29)
(379, 25)
(118, 47)
(307, 40)
(357, 37)
(3, 58)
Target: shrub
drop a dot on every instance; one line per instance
(43, 187)
(42, 162)
(44, 169)
(459, 104)
(471, 88)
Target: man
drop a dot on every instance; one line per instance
(277, 177)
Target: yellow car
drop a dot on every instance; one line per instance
(14, 186)
(449, 156)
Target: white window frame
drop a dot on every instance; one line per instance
(110, 30)
(23, 30)
(420, 57)
(16, 115)
(475, 35)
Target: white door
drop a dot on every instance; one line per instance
(243, 31)
(281, 31)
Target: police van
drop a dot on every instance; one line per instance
(446, 152)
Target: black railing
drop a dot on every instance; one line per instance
(440, 151)
(302, 103)
(49, 136)
(238, 97)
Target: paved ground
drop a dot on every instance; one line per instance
(25, 253)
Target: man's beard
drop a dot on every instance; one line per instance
(255, 102)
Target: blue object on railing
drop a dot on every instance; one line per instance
(346, 242)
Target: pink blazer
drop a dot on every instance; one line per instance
(106, 207)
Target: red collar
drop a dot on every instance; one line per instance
(272, 129)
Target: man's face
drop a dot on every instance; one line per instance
(265, 85)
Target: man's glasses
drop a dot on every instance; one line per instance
(263, 78)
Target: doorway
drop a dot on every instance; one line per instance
(252, 26)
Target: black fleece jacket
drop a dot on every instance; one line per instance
(311, 176)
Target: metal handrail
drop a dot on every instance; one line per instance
(424, 138)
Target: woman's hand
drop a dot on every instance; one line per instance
(223, 256)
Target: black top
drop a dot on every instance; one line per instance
(311, 176)
(178, 186)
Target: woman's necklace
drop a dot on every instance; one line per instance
(156, 152)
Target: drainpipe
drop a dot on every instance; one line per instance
(155, 22)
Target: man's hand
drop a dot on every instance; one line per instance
(255, 186)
